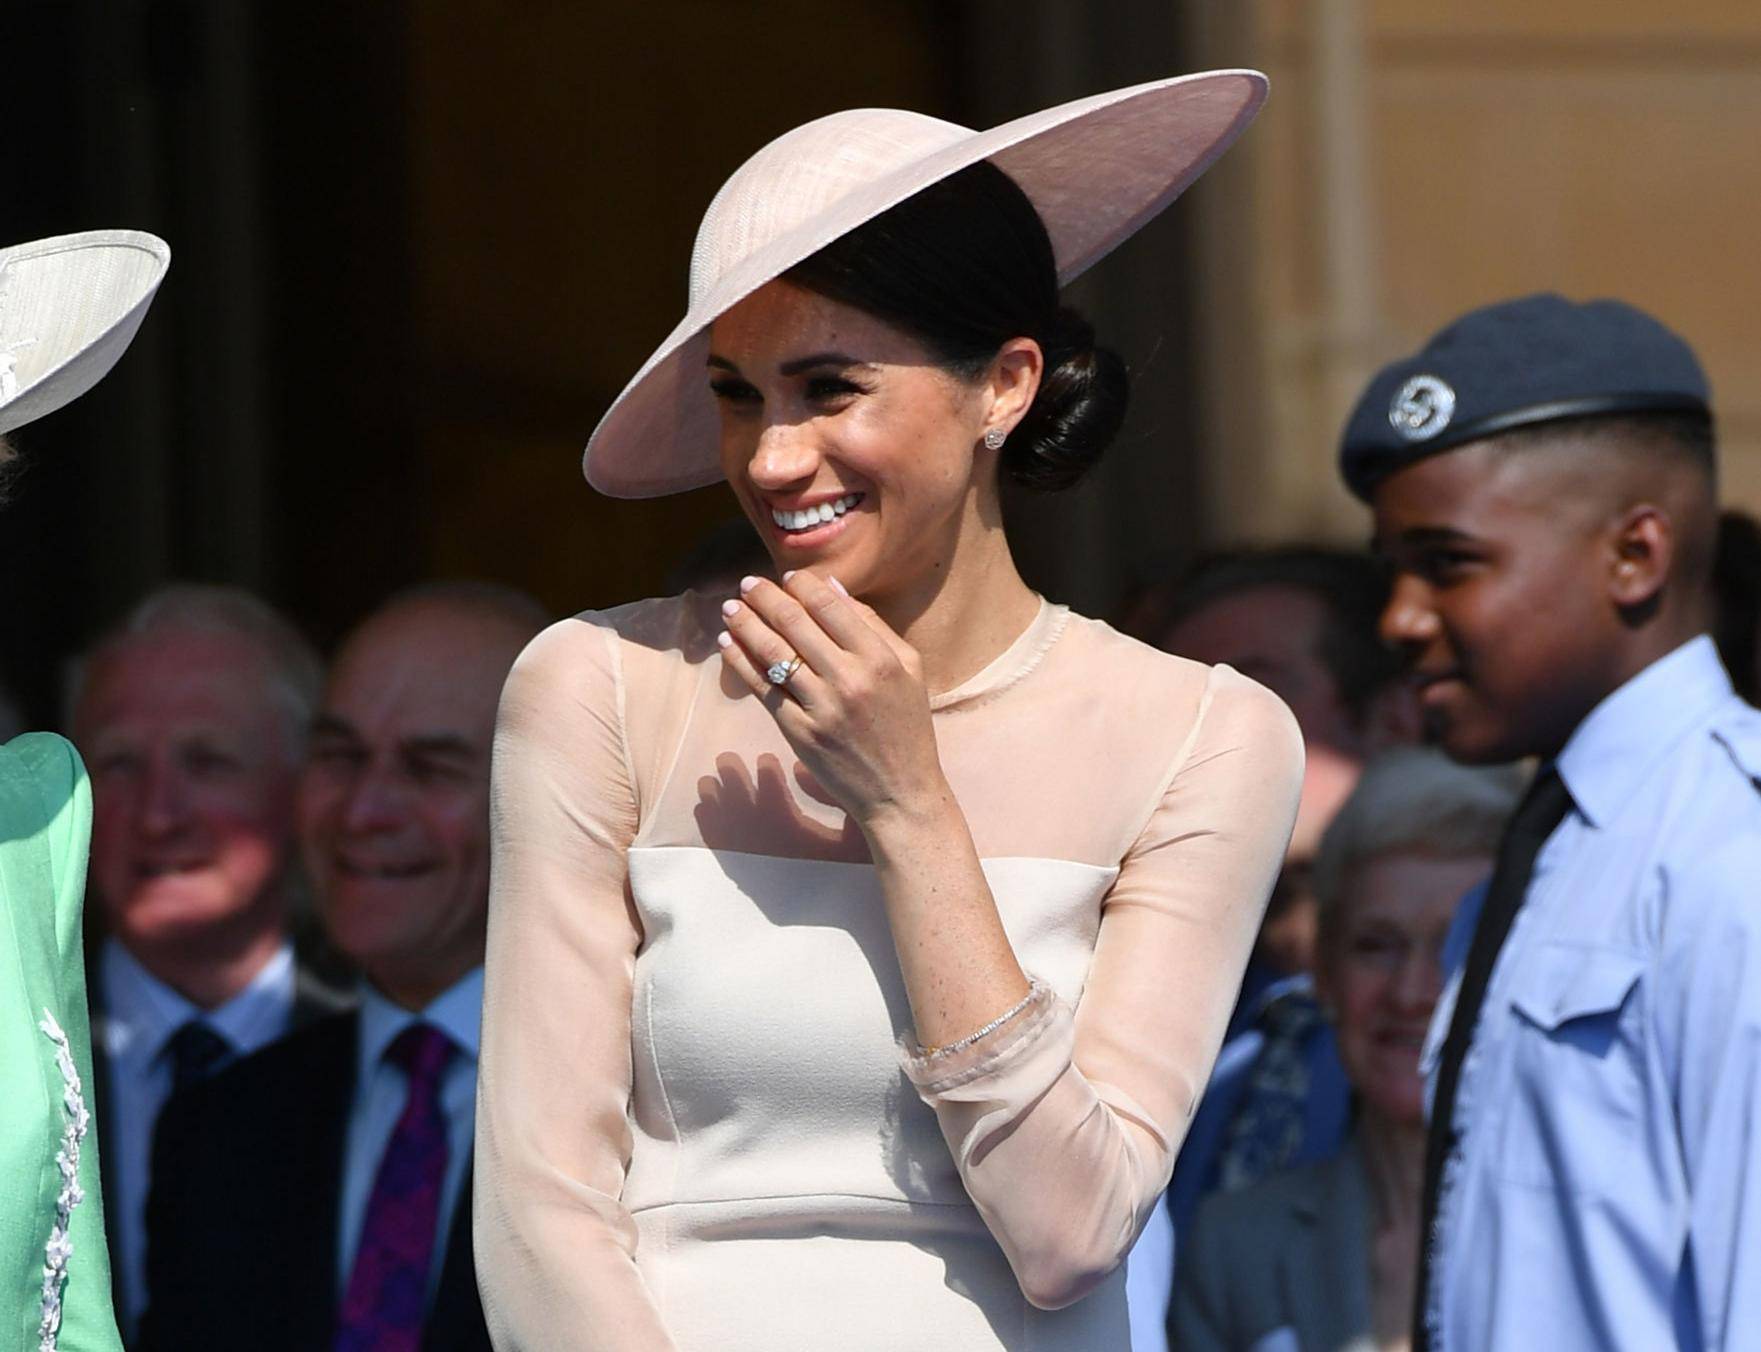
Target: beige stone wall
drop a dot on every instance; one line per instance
(1418, 158)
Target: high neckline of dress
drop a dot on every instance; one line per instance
(1010, 665)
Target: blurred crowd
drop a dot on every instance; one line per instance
(288, 892)
(289, 881)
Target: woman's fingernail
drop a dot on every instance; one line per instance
(747, 584)
(730, 608)
(788, 575)
(723, 639)
(837, 586)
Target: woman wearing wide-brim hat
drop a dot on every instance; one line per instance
(68, 308)
(860, 944)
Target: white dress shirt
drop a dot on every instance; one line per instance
(380, 1091)
(140, 1015)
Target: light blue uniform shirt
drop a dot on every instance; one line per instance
(380, 1091)
(1606, 1188)
(140, 1015)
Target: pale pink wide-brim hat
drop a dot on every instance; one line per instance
(1095, 169)
(69, 307)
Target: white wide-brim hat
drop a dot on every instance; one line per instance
(69, 307)
(1095, 170)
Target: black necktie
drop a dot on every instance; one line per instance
(1536, 818)
(196, 1051)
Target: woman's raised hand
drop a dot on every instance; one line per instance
(855, 710)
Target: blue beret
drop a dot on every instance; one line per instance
(1515, 364)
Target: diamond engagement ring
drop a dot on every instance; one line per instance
(779, 672)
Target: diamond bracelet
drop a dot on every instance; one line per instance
(1033, 989)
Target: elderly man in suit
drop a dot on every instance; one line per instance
(318, 1195)
(192, 716)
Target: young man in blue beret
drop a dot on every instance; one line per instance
(1543, 481)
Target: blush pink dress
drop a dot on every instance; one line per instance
(701, 1122)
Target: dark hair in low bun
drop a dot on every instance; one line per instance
(964, 266)
(1077, 412)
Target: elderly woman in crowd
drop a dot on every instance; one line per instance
(1324, 1256)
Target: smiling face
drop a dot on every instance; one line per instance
(1504, 598)
(394, 804)
(1381, 970)
(847, 446)
(193, 757)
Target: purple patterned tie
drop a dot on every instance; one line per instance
(388, 1289)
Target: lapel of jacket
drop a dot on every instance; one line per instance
(314, 999)
(455, 1324)
(1326, 1269)
(304, 1174)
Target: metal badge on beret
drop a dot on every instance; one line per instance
(1422, 408)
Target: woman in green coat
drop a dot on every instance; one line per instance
(68, 308)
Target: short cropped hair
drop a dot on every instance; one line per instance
(1690, 435)
(1663, 438)
(1413, 800)
(295, 670)
(1353, 589)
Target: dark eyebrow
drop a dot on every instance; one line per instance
(808, 363)
(1435, 535)
(439, 744)
(329, 725)
(795, 366)
(1419, 536)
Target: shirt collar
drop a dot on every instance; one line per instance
(457, 1011)
(1282, 988)
(1615, 747)
(143, 1012)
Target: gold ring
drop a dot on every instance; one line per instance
(780, 672)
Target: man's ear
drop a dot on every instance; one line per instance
(1643, 555)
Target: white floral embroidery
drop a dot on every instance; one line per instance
(60, 1248)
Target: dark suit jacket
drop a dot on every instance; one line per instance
(1284, 1263)
(242, 1218)
(314, 998)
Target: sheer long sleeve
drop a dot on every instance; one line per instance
(1064, 1123)
(555, 1247)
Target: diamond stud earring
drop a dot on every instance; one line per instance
(994, 437)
